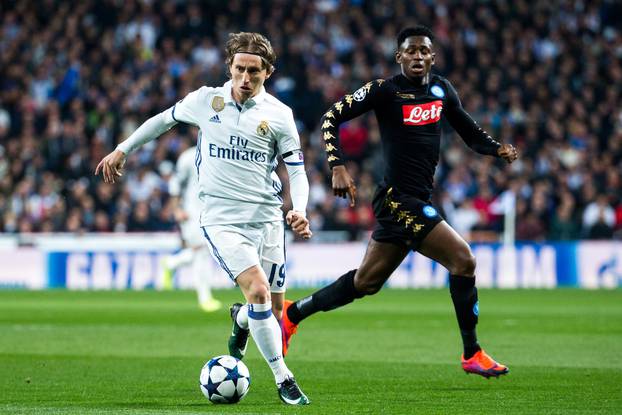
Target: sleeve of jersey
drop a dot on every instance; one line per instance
(188, 109)
(350, 106)
(174, 187)
(184, 111)
(472, 134)
(148, 131)
(298, 182)
(289, 146)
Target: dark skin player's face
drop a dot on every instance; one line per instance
(416, 58)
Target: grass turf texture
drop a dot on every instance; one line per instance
(394, 353)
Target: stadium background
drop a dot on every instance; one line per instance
(76, 78)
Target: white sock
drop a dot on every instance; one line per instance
(183, 257)
(242, 317)
(267, 335)
(200, 265)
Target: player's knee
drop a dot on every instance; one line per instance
(464, 264)
(366, 286)
(259, 293)
(372, 288)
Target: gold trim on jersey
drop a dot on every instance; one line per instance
(339, 106)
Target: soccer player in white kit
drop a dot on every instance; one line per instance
(184, 191)
(242, 130)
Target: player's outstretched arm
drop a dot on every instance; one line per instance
(111, 166)
(185, 111)
(466, 127)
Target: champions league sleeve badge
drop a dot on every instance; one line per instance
(218, 103)
(262, 128)
(360, 94)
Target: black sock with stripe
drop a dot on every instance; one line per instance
(464, 296)
(335, 295)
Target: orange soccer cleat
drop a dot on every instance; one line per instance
(288, 329)
(482, 364)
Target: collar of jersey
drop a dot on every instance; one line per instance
(257, 99)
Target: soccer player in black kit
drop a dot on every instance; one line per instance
(409, 108)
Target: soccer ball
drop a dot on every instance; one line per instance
(224, 379)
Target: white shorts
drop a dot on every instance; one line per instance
(237, 247)
(191, 232)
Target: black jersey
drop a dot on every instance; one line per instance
(409, 118)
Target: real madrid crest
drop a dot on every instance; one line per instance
(262, 128)
(218, 103)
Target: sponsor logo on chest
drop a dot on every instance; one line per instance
(421, 114)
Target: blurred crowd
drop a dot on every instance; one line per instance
(77, 77)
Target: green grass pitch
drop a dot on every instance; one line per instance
(394, 353)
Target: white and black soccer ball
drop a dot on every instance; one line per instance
(225, 379)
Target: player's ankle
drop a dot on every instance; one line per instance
(470, 351)
(293, 313)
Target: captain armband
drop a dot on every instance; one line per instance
(294, 158)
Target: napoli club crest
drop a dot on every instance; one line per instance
(429, 211)
(437, 91)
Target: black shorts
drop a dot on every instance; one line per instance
(401, 218)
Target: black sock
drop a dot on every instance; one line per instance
(337, 294)
(464, 295)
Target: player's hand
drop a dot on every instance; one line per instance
(111, 166)
(181, 215)
(508, 152)
(299, 223)
(343, 185)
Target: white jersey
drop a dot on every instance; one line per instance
(237, 150)
(185, 183)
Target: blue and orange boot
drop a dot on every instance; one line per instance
(482, 364)
(288, 329)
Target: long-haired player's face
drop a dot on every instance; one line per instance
(247, 76)
(415, 56)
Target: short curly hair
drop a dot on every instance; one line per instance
(249, 42)
(418, 30)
